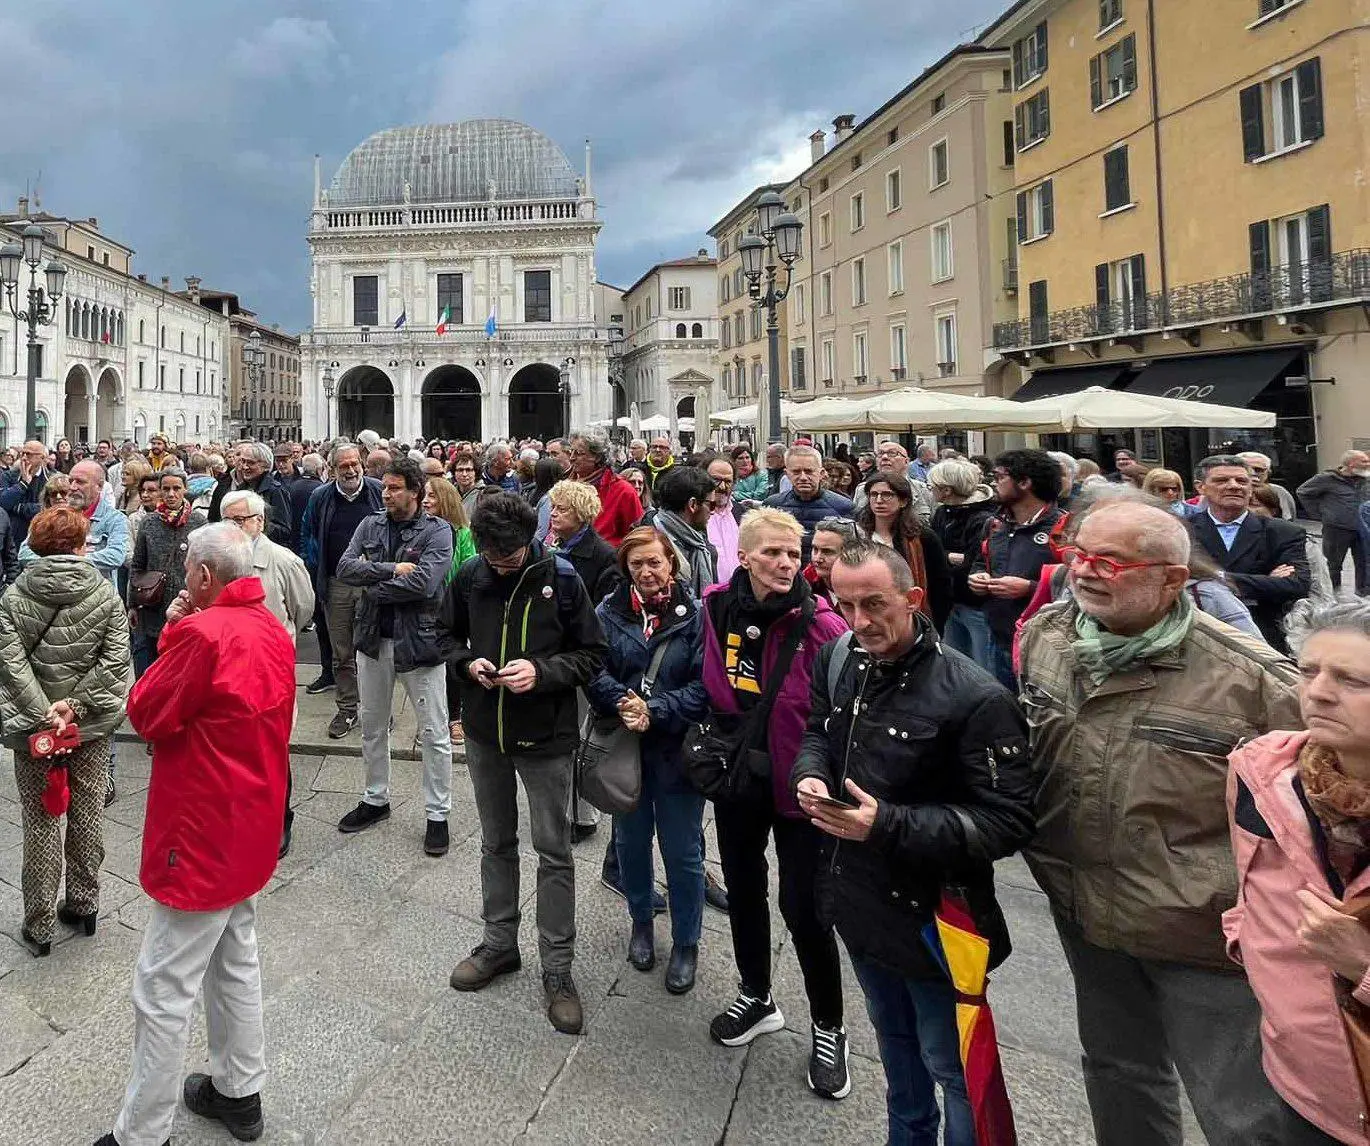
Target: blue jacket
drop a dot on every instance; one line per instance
(678, 699)
(106, 543)
(810, 513)
(318, 514)
(23, 500)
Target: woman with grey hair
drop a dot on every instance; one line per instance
(964, 508)
(1069, 467)
(157, 572)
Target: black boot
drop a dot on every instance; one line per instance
(680, 971)
(642, 947)
(241, 1116)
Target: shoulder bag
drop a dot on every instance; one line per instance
(608, 764)
(722, 759)
(148, 588)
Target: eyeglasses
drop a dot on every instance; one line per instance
(723, 483)
(240, 520)
(882, 495)
(1105, 568)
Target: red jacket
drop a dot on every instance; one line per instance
(216, 706)
(620, 508)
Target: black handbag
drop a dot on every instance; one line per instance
(724, 760)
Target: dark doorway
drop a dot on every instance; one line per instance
(535, 403)
(366, 401)
(685, 408)
(451, 405)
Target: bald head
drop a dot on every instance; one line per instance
(87, 483)
(1158, 535)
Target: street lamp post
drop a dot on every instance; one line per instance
(254, 359)
(41, 309)
(564, 385)
(778, 233)
(328, 391)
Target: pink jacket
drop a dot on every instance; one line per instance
(1306, 1054)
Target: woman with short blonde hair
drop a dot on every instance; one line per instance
(574, 507)
(756, 521)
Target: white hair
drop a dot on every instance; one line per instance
(259, 452)
(222, 547)
(1068, 463)
(369, 439)
(312, 464)
(529, 455)
(1256, 456)
(416, 455)
(255, 505)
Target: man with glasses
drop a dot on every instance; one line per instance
(1018, 542)
(725, 516)
(253, 472)
(806, 500)
(620, 509)
(24, 497)
(1260, 466)
(1135, 698)
(464, 478)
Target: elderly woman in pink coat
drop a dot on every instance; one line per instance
(1299, 804)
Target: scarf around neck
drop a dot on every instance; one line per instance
(1102, 654)
(179, 518)
(649, 610)
(1341, 802)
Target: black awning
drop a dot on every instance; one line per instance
(1224, 379)
(1068, 380)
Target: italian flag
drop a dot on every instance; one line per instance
(444, 319)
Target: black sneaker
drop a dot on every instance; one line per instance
(582, 832)
(323, 683)
(435, 838)
(363, 816)
(241, 1116)
(284, 849)
(341, 724)
(745, 1019)
(828, 1077)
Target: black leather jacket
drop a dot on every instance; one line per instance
(943, 748)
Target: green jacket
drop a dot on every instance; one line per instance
(63, 636)
(463, 549)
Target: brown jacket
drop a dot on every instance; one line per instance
(1132, 839)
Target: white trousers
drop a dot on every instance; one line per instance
(181, 951)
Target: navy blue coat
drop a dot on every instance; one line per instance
(678, 700)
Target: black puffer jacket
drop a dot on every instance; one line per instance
(962, 529)
(597, 563)
(542, 614)
(943, 748)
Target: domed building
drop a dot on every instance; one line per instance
(453, 277)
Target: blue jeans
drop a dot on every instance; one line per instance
(676, 818)
(967, 631)
(915, 1025)
(1001, 664)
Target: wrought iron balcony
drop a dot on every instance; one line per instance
(1345, 278)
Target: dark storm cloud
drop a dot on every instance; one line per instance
(189, 130)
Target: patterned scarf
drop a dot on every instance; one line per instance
(1101, 653)
(1341, 803)
(177, 519)
(650, 609)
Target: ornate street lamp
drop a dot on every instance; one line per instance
(778, 236)
(564, 386)
(254, 361)
(329, 389)
(41, 309)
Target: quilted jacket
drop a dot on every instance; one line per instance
(63, 636)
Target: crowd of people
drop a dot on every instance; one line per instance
(894, 670)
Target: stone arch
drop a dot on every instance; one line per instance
(697, 330)
(450, 404)
(535, 403)
(366, 401)
(140, 428)
(76, 405)
(680, 330)
(108, 396)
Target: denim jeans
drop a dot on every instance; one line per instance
(967, 631)
(676, 817)
(1001, 663)
(915, 1025)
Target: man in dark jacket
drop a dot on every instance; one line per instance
(524, 637)
(934, 786)
(806, 500)
(22, 498)
(400, 559)
(253, 472)
(1334, 497)
(684, 498)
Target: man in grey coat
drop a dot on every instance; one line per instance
(1334, 497)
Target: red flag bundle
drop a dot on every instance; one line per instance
(57, 795)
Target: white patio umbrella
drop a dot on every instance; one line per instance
(685, 425)
(655, 424)
(912, 408)
(1098, 408)
(747, 415)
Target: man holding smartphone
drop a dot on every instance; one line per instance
(524, 638)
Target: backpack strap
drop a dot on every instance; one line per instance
(841, 652)
(565, 582)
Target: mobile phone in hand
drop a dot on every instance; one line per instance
(830, 802)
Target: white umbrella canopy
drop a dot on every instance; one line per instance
(747, 415)
(913, 408)
(655, 423)
(1099, 408)
(820, 412)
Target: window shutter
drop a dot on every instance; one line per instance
(1260, 265)
(1253, 123)
(1040, 36)
(1115, 179)
(1048, 209)
(1138, 291)
(1096, 81)
(1017, 62)
(1101, 287)
(1023, 232)
(1008, 143)
(1019, 122)
(1130, 63)
(1320, 234)
(1310, 98)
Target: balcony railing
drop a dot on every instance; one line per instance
(448, 216)
(1345, 278)
(463, 336)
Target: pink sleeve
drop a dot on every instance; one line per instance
(1362, 989)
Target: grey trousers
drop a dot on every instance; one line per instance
(547, 785)
(342, 616)
(427, 691)
(1143, 1021)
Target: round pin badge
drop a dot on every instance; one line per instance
(547, 591)
(1039, 538)
(680, 610)
(752, 632)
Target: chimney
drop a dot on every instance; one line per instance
(843, 126)
(23, 206)
(193, 288)
(94, 222)
(142, 278)
(817, 145)
(166, 282)
(703, 252)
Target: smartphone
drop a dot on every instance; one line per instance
(830, 802)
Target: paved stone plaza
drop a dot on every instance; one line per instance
(367, 1044)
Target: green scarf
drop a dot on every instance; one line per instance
(1101, 653)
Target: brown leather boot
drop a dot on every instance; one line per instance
(483, 966)
(563, 1002)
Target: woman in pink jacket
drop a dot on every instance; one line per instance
(1299, 804)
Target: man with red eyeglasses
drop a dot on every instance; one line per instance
(1135, 698)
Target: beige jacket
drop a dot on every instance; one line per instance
(1132, 837)
(289, 588)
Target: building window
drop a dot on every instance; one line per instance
(725, 334)
(1009, 150)
(858, 282)
(825, 229)
(1302, 244)
(140, 374)
(722, 249)
(939, 164)
(756, 323)
(739, 328)
(939, 103)
(1030, 56)
(798, 298)
(140, 330)
(894, 256)
(649, 307)
(945, 326)
(537, 296)
(197, 381)
(825, 293)
(725, 288)
(1039, 318)
(1120, 293)
(826, 361)
(756, 377)
(161, 377)
(1117, 184)
(726, 377)
(899, 352)
(162, 334)
(1110, 13)
(678, 298)
(1036, 213)
(799, 377)
(697, 330)
(737, 282)
(1032, 120)
(856, 162)
(1113, 73)
(450, 299)
(365, 300)
(858, 211)
(680, 330)
(891, 137)
(822, 184)
(1291, 106)
(942, 266)
(860, 358)
(894, 192)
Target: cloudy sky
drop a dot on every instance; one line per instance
(189, 130)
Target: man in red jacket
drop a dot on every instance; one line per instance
(620, 508)
(216, 708)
